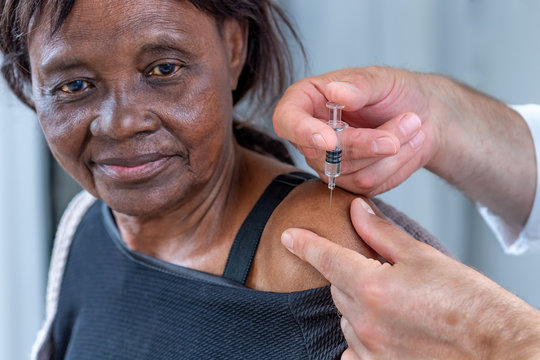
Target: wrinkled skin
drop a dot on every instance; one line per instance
(137, 109)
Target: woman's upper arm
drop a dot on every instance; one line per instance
(307, 207)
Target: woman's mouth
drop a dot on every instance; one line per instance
(133, 169)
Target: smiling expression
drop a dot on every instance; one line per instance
(135, 101)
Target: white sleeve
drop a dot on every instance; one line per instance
(516, 240)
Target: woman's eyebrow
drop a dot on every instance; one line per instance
(53, 59)
(162, 44)
(56, 64)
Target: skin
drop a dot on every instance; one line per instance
(420, 304)
(137, 107)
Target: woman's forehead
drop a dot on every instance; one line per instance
(94, 25)
(111, 17)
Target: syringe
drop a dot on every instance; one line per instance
(332, 166)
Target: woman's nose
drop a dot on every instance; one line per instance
(124, 119)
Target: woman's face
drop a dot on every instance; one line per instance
(134, 98)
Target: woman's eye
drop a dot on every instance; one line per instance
(163, 70)
(74, 86)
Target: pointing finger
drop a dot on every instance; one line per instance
(380, 234)
(339, 265)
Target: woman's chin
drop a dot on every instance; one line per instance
(143, 203)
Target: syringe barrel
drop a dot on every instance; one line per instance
(332, 169)
(332, 166)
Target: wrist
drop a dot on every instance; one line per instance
(519, 335)
(451, 115)
(485, 149)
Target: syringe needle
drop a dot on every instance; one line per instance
(331, 191)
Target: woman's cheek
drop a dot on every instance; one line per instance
(66, 138)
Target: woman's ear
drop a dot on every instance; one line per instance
(235, 37)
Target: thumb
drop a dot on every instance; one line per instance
(381, 235)
(357, 88)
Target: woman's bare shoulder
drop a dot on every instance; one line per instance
(308, 207)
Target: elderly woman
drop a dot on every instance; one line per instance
(172, 251)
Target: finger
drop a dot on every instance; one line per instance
(298, 114)
(380, 234)
(358, 87)
(348, 306)
(342, 301)
(368, 175)
(359, 154)
(353, 342)
(404, 126)
(311, 153)
(349, 354)
(339, 265)
(299, 117)
(360, 143)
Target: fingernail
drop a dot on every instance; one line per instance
(365, 205)
(409, 124)
(287, 240)
(318, 141)
(417, 140)
(383, 146)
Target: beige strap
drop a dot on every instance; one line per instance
(42, 349)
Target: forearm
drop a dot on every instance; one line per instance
(486, 149)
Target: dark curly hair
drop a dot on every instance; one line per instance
(268, 67)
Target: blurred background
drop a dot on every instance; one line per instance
(492, 45)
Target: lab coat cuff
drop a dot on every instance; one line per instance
(518, 240)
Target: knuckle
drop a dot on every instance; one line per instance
(326, 263)
(372, 72)
(365, 181)
(374, 292)
(275, 120)
(370, 334)
(361, 137)
(299, 246)
(314, 163)
(381, 188)
(309, 153)
(373, 192)
(299, 134)
(302, 83)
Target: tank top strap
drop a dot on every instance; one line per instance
(247, 239)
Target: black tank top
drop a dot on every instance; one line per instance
(116, 303)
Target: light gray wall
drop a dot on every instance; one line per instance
(491, 44)
(23, 227)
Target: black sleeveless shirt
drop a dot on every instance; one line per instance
(116, 303)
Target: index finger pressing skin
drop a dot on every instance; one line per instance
(339, 265)
(380, 234)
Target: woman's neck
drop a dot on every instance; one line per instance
(199, 233)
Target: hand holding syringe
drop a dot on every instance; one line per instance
(332, 166)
